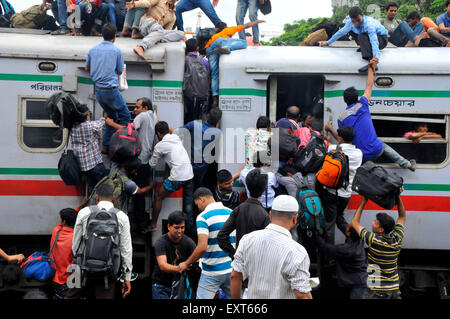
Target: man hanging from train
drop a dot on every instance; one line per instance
(371, 36)
(105, 63)
(222, 43)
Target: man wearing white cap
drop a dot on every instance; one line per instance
(277, 267)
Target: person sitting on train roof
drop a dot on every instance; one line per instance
(357, 115)
(62, 236)
(420, 133)
(188, 5)
(35, 17)
(390, 22)
(132, 19)
(171, 150)
(434, 31)
(105, 62)
(16, 258)
(84, 138)
(409, 33)
(372, 36)
(384, 242)
(443, 21)
(222, 43)
(154, 33)
(74, 19)
(116, 12)
(93, 12)
(59, 10)
(171, 249)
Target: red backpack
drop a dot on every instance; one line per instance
(125, 144)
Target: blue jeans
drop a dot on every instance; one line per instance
(161, 292)
(213, 58)
(404, 33)
(357, 291)
(208, 286)
(133, 17)
(112, 13)
(393, 156)
(241, 10)
(114, 105)
(188, 5)
(59, 11)
(96, 16)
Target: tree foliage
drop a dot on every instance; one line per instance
(296, 32)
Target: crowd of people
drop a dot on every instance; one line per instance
(245, 243)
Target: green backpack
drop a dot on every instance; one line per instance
(118, 180)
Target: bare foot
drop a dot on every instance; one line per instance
(140, 51)
(126, 32)
(136, 35)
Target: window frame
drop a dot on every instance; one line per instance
(401, 140)
(23, 122)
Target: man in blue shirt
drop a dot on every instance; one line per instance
(372, 36)
(105, 63)
(357, 115)
(443, 21)
(202, 134)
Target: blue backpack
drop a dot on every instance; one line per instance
(311, 213)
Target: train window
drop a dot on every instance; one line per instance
(37, 131)
(391, 129)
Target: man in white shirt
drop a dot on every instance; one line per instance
(277, 267)
(335, 201)
(104, 200)
(170, 148)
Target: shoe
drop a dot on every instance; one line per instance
(358, 50)
(365, 69)
(134, 276)
(413, 165)
(222, 50)
(60, 31)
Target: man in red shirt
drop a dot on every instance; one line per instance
(62, 252)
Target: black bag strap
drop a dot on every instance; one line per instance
(54, 242)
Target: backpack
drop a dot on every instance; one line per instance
(203, 36)
(311, 212)
(288, 143)
(310, 158)
(118, 180)
(125, 144)
(181, 287)
(99, 251)
(30, 18)
(377, 184)
(335, 169)
(67, 105)
(265, 7)
(329, 26)
(196, 78)
(6, 12)
(430, 42)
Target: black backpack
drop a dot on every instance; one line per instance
(196, 78)
(329, 26)
(181, 287)
(125, 144)
(309, 159)
(203, 36)
(265, 7)
(64, 110)
(6, 12)
(377, 184)
(69, 167)
(287, 143)
(99, 251)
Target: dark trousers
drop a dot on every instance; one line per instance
(188, 203)
(142, 179)
(373, 294)
(334, 206)
(94, 175)
(94, 289)
(366, 48)
(194, 109)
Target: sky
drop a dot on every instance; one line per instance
(283, 11)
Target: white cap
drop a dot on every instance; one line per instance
(285, 203)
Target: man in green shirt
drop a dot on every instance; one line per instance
(390, 22)
(384, 244)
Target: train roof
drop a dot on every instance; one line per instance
(339, 58)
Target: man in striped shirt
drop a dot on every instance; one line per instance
(385, 242)
(276, 266)
(215, 263)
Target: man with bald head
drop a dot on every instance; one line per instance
(290, 121)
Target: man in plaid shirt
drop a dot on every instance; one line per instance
(84, 138)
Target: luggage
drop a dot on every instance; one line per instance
(311, 212)
(181, 287)
(64, 110)
(335, 170)
(99, 251)
(125, 144)
(315, 37)
(69, 168)
(196, 80)
(287, 143)
(38, 266)
(310, 158)
(118, 180)
(377, 184)
(203, 36)
(6, 12)
(265, 7)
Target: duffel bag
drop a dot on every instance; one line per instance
(377, 184)
(125, 144)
